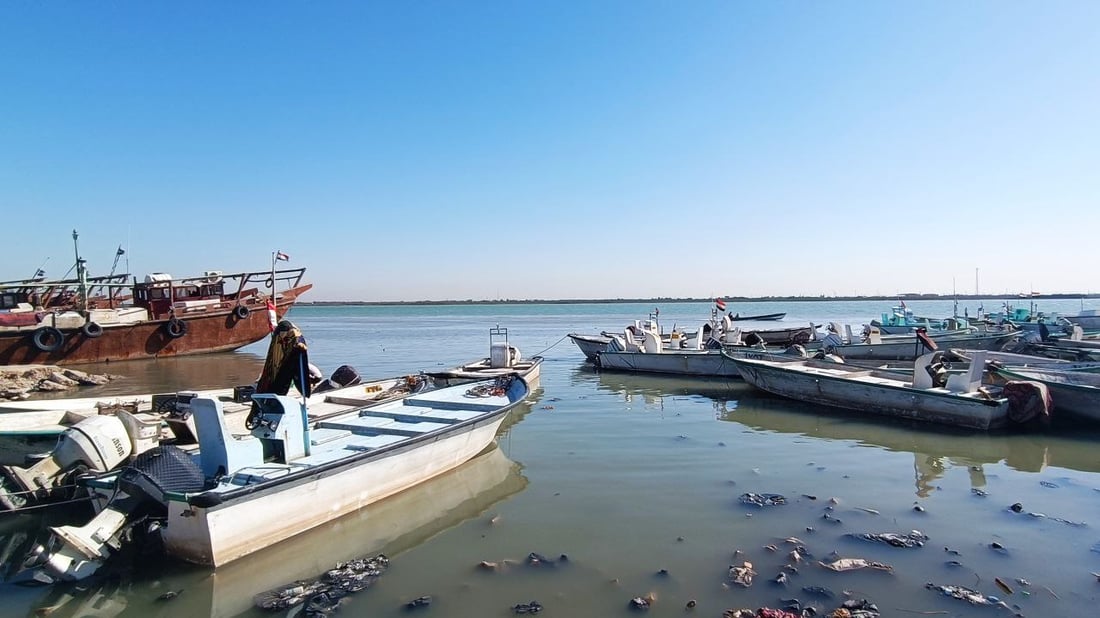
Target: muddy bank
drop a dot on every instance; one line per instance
(21, 381)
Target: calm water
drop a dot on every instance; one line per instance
(628, 475)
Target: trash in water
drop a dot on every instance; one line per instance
(325, 592)
(914, 538)
(742, 575)
(762, 499)
(851, 564)
(965, 594)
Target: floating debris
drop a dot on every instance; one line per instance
(1003, 586)
(419, 602)
(533, 607)
(643, 603)
(762, 499)
(168, 596)
(851, 564)
(1048, 484)
(538, 560)
(324, 593)
(742, 575)
(819, 591)
(867, 510)
(965, 594)
(981, 493)
(914, 538)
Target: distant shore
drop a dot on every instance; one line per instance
(732, 299)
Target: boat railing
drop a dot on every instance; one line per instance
(113, 291)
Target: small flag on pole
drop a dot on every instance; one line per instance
(721, 304)
(279, 255)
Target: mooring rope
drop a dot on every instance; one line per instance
(552, 346)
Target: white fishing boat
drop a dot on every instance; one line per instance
(240, 494)
(42, 451)
(961, 401)
(503, 359)
(1073, 392)
(909, 347)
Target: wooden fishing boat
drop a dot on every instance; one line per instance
(92, 320)
(289, 475)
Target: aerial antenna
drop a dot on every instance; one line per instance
(119, 253)
(40, 272)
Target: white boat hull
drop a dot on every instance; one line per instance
(590, 345)
(701, 363)
(222, 533)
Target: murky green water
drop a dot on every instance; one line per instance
(628, 475)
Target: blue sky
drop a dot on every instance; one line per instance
(454, 150)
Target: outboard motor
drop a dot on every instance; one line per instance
(96, 444)
(140, 491)
(345, 375)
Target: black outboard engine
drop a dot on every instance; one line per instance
(345, 375)
(81, 550)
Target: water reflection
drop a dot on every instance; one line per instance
(204, 371)
(391, 526)
(934, 449)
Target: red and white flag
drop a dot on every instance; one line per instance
(279, 255)
(721, 304)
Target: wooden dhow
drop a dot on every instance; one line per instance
(89, 320)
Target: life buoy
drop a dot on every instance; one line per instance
(48, 339)
(241, 312)
(91, 329)
(176, 328)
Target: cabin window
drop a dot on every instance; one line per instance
(9, 301)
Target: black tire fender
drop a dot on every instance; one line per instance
(48, 339)
(176, 328)
(91, 329)
(241, 312)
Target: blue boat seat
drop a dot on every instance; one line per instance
(220, 452)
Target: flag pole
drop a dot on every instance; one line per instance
(273, 278)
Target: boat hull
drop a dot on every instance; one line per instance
(910, 348)
(219, 331)
(701, 363)
(590, 345)
(936, 406)
(1072, 392)
(225, 532)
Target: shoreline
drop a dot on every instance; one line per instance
(728, 299)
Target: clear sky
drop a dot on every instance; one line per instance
(489, 149)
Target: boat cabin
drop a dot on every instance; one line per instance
(161, 295)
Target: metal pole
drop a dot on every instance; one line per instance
(273, 301)
(81, 273)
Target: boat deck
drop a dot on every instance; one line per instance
(375, 427)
